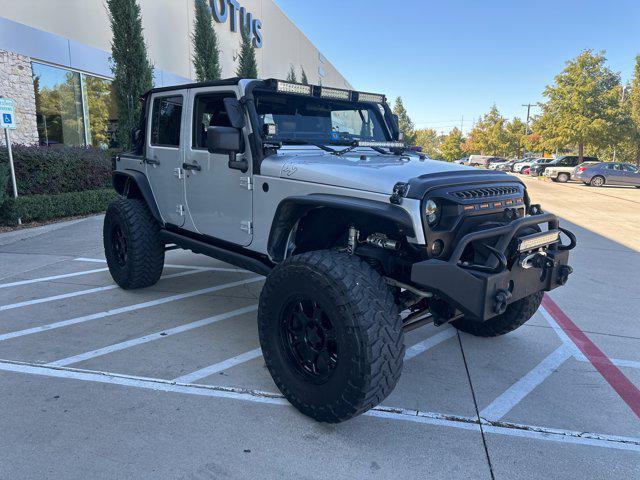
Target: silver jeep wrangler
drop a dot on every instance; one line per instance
(360, 238)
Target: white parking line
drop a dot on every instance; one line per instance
(219, 367)
(83, 292)
(130, 308)
(173, 265)
(575, 351)
(149, 338)
(415, 416)
(430, 342)
(618, 362)
(53, 277)
(523, 387)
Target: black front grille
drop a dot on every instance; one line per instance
(486, 192)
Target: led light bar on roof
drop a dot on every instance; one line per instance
(370, 97)
(362, 143)
(335, 93)
(294, 88)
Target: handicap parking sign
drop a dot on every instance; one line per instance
(7, 114)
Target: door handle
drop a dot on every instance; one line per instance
(151, 161)
(191, 166)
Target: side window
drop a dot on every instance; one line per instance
(166, 121)
(208, 112)
(629, 168)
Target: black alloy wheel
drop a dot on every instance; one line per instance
(119, 245)
(309, 338)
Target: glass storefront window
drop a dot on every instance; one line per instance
(73, 108)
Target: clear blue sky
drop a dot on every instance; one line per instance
(450, 58)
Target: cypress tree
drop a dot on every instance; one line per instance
(247, 66)
(303, 78)
(206, 56)
(291, 76)
(131, 67)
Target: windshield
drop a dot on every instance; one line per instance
(318, 120)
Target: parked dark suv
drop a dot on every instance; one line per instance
(564, 161)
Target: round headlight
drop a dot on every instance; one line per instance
(431, 209)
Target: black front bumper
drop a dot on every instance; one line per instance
(484, 291)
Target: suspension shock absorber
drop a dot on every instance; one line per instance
(352, 242)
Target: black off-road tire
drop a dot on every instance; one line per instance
(516, 315)
(142, 263)
(369, 339)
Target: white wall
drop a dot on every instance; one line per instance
(168, 25)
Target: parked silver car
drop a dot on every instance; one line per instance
(609, 173)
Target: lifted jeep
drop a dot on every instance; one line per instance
(360, 238)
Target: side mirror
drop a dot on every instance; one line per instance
(235, 112)
(227, 140)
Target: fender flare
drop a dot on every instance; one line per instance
(291, 209)
(124, 179)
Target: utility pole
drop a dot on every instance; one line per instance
(528, 105)
(462, 124)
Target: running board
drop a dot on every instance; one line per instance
(198, 246)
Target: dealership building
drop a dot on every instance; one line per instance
(55, 59)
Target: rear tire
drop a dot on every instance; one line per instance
(135, 254)
(597, 181)
(563, 177)
(516, 315)
(331, 334)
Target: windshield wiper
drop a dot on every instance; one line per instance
(306, 142)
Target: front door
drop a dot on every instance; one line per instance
(164, 154)
(219, 199)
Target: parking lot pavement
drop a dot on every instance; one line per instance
(169, 382)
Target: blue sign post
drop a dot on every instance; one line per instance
(8, 123)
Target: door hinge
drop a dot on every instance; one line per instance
(178, 173)
(247, 226)
(246, 182)
(180, 209)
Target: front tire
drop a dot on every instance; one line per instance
(331, 334)
(597, 181)
(563, 177)
(516, 315)
(135, 254)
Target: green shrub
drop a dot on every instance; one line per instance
(47, 207)
(58, 169)
(4, 180)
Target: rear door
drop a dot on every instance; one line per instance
(219, 198)
(615, 174)
(164, 154)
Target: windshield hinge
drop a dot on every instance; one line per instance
(246, 182)
(247, 226)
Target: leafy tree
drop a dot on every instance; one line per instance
(515, 132)
(583, 106)
(131, 67)
(247, 66)
(303, 77)
(451, 147)
(429, 140)
(291, 76)
(634, 106)
(206, 55)
(488, 136)
(404, 122)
